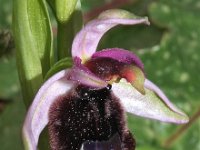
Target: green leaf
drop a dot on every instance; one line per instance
(174, 64)
(171, 61)
(41, 30)
(33, 40)
(177, 57)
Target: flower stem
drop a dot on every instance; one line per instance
(64, 40)
(66, 32)
(181, 130)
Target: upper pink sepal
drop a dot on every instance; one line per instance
(86, 41)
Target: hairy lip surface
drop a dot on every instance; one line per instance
(87, 115)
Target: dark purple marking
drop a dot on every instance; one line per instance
(104, 68)
(121, 55)
(107, 68)
(87, 115)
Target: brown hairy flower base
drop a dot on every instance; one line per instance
(86, 115)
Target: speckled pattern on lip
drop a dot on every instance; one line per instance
(87, 115)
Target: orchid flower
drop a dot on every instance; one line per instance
(113, 78)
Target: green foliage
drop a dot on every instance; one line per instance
(169, 49)
(90, 4)
(179, 52)
(10, 124)
(13, 112)
(5, 13)
(8, 78)
(33, 42)
(60, 65)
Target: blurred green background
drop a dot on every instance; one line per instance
(169, 49)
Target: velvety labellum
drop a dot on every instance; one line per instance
(86, 115)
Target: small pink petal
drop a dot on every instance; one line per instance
(86, 41)
(84, 76)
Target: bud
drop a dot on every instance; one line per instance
(64, 9)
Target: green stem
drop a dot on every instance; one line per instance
(64, 40)
(67, 31)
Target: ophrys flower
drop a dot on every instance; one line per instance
(88, 101)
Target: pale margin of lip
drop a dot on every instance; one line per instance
(154, 104)
(37, 116)
(86, 41)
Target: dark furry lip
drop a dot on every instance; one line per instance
(87, 115)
